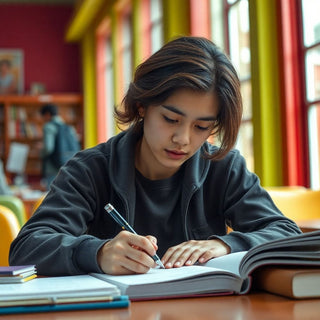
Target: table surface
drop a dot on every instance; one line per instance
(253, 306)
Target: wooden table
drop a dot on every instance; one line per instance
(254, 306)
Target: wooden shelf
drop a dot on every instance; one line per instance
(20, 121)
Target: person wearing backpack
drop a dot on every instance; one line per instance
(59, 142)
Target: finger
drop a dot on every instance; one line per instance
(140, 244)
(153, 241)
(112, 259)
(119, 256)
(186, 253)
(131, 260)
(220, 249)
(125, 265)
(139, 257)
(143, 243)
(166, 257)
(195, 255)
(175, 256)
(187, 257)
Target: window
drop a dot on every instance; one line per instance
(104, 82)
(156, 25)
(217, 22)
(109, 89)
(238, 45)
(311, 55)
(126, 52)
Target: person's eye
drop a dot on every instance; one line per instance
(202, 128)
(169, 119)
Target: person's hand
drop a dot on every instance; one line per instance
(190, 252)
(127, 253)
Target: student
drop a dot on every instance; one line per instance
(177, 191)
(49, 113)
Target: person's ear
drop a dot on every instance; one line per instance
(141, 110)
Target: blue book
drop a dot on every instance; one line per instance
(116, 302)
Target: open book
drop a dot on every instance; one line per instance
(224, 275)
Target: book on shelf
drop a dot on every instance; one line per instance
(17, 274)
(229, 274)
(78, 292)
(292, 282)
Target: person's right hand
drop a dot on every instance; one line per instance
(127, 253)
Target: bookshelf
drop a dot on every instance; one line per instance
(21, 122)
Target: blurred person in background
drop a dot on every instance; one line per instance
(49, 113)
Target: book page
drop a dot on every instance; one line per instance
(167, 275)
(230, 262)
(156, 275)
(297, 250)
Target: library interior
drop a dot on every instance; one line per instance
(80, 57)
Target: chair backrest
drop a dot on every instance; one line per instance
(37, 204)
(297, 204)
(16, 205)
(9, 226)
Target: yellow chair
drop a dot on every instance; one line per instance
(9, 226)
(16, 205)
(37, 203)
(297, 203)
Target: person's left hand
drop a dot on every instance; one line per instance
(189, 252)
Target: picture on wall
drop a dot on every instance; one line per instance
(11, 71)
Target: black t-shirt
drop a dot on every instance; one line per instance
(158, 210)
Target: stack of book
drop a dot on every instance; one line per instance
(17, 274)
(43, 294)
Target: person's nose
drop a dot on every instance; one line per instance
(181, 135)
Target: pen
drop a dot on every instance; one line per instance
(126, 226)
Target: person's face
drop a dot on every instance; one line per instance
(46, 117)
(174, 131)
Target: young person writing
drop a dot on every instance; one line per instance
(175, 189)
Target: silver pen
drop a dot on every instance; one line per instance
(117, 217)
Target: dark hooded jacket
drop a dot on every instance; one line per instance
(67, 230)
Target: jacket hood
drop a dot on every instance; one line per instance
(122, 168)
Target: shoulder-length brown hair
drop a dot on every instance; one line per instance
(193, 63)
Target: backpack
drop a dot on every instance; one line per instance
(66, 144)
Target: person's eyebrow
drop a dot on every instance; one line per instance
(177, 111)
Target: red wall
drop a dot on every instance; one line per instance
(39, 31)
